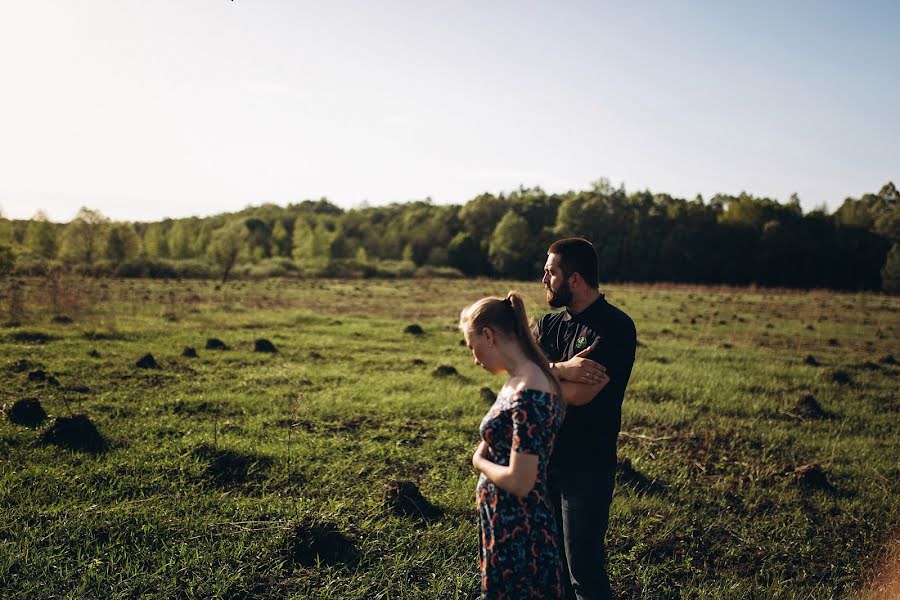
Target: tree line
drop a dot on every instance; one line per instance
(639, 236)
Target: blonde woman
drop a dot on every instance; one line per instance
(518, 541)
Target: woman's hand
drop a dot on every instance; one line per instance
(480, 451)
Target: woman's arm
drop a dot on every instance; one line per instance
(518, 478)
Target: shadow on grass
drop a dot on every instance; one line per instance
(227, 468)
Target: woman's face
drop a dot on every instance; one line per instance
(483, 347)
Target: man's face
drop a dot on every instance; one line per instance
(558, 292)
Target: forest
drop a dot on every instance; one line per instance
(640, 237)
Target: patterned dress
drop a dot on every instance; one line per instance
(518, 542)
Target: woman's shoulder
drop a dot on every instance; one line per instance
(533, 386)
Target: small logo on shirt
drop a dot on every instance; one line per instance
(581, 343)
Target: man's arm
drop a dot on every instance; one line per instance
(580, 368)
(579, 394)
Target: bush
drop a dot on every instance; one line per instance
(441, 272)
(146, 267)
(394, 268)
(34, 265)
(7, 259)
(193, 269)
(347, 268)
(268, 267)
(101, 268)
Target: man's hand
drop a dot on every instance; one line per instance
(580, 369)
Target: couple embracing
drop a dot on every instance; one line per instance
(547, 456)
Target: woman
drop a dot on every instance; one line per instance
(518, 541)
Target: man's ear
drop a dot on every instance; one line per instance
(575, 279)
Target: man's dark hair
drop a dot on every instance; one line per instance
(577, 255)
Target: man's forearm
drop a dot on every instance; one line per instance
(579, 394)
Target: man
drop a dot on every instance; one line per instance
(591, 347)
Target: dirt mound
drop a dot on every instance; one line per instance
(37, 375)
(808, 407)
(32, 337)
(315, 355)
(22, 365)
(810, 360)
(216, 344)
(414, 329)
(834, 342)
(62, 319)
(229, 467)
(194, 407)
(405, 500)
(147, 362)
(28, 412)
(309, 544)
(888, 360)
(839, 376)
(93, 353)
(418, 362)
(189, 352)
(487, 394)
(868, 366)
(812, 477)
(75, 433)
(445, 371)
(78, 389)
(264, 345)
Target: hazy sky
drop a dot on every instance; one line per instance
(146, 109)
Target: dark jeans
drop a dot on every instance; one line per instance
(581, 499)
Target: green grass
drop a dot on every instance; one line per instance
(226, 473)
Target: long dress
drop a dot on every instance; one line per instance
(519, 545)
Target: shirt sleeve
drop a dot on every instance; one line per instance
(537, 330)
(617, 354)
(530, 433)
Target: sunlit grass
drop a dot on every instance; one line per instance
(214, 462)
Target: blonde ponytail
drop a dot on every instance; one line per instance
(508, 315)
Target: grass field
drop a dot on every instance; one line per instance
(745, 472)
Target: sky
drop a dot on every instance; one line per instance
(146, 110)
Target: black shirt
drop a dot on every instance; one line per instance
(588, 435)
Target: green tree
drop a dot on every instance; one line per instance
(226, 245)
(122, 243)
(280, 239)
(156, 241)
(511, 236)
(83, 237)
(890, 273)
(259, 238)
(40, 237)
(481, 215)
(303, 240)
(181, 239)
(6, 232)
(7, 259)
(466, 254)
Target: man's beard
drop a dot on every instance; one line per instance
(561, 297)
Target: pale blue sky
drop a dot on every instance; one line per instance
(172, 108)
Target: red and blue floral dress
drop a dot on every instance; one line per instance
(518, 541)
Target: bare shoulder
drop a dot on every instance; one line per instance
(532, 379)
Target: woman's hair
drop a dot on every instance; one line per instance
(507, 316)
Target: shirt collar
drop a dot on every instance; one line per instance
(589, 310)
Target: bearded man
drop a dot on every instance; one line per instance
(591, 347)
